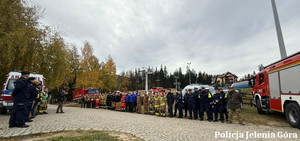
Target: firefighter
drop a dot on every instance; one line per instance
(204, 104)
(234, 105)
(89, 102)
(170, 100)
(118, 101)
(162, 104)
(191, 104)
(179, 103)
(17, 118)
(156, 104)
(93, 102)
(146, 103)
(37, 99)
(225, 111)
(151, 105)
(108, 100)
(185, 102)
(43, 104)
(218, 105)
(139, 103)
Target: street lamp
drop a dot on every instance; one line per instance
(146, 80)
(189, 65)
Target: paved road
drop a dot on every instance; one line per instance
(143, 126)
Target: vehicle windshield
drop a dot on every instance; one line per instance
(11, 84)
(93, 91)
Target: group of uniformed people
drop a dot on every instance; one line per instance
(28, 100)
(161, 103)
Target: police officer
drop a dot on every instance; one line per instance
(20, 94)
(170, 101)
(234, 105)
(204, 104)
(191, 104)
(185, 102)
(179, 103)
(225, 111)
(218, 105)
(197, 104)
(33, 94)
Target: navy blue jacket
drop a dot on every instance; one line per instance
(205, 97)
(191, 99)
(32, 91)
(170, 98)
(179, 99)
(20, 92)
(218, 97)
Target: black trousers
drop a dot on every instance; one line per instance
(17, 117)
(127, 104)
(205, 106)
(176, 108)
(179, 106)
(218, 109)
(225, 111)
(170, 109)
(186, 109)
(192, 109)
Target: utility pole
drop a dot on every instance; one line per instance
(189, 65)
(176, 83)
(279, 33)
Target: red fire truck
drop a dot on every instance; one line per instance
(277, 87)
(78, 94)
(158, 89)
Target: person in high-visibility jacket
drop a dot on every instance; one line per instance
(93, 102)
(151, 104)
(156, 104)
(97, 102)
(43, 103)
(225, 109)
(146, 103)
(204, 99)
(162, 105)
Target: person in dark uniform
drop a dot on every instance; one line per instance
(204, 99)
(170, 101)
(127, 102)
(19, 94)
(179, 103)
(191, 104)
(185, 103)
(82, 102)
(197, 104)
(225, 109)
(33, 95)
(218, 105)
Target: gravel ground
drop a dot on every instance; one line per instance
(146, 127)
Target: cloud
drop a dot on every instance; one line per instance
(215, 36)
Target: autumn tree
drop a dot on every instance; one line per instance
(108, 75)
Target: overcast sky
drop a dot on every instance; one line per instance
(214, 35)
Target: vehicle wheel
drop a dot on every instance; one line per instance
(258, 107)
(3, 111)
(292, 114)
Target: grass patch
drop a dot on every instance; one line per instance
(79, 135)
